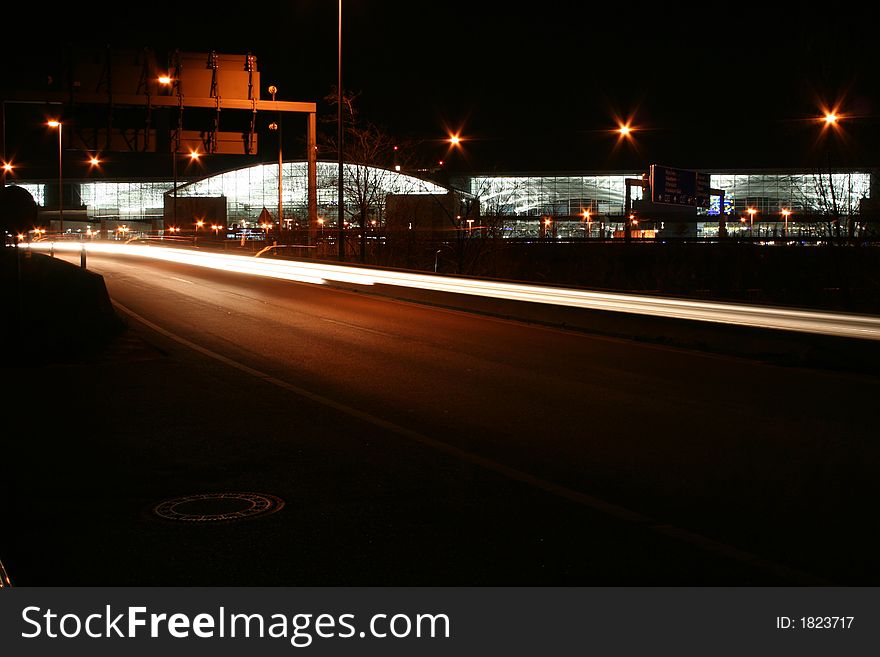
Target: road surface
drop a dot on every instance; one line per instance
(417, 445)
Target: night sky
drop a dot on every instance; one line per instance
(726, 85)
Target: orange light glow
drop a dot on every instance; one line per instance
(194, 155)
(53, 123)
(164, 79)
(7, 167)
(831, 118)
(625, 130)
(455, 140)
(94, 161)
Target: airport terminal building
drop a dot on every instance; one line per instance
(519, 203)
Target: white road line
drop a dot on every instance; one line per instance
(583, 499)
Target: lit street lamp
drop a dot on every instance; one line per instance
(57, 124)
(277, 126)
(785, 214)
(752, 212)
(588, 226)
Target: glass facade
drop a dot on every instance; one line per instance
(524, 201)
(807, 195)
(251, 189)
(569, 195)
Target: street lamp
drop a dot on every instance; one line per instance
(199, 224)
(7, 169)
(341, 199)
(588, 226)
(752, 212)
(785, 214)
(57, 124)
(832, 122)
(277, 126)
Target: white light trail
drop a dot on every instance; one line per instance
(826, 323)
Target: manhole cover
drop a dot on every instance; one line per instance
(217, 507)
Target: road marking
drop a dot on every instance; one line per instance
(583, 499)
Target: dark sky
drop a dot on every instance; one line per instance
(713, 85)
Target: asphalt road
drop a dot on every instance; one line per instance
(417, 445)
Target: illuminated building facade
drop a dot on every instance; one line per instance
(519, 201)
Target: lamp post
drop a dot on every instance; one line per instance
(57, 124)
(752, 212)
(166, 80)
(785, 214)
(588, 227)
(199, 224)
(831, 119)
(277, 126)
(340, 200)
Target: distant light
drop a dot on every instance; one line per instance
(397, 167)
(94, 161)
(785, 213)
(831, 118)
(164, 79)
(625, 130)
(194, 155)
(440, 163)
(7, 167)
(53, 123)
(752, 211)
(455, 140)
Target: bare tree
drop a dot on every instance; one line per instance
(373, 159)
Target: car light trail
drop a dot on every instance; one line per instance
(826, 323)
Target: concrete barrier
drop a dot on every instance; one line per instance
(52, 308)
